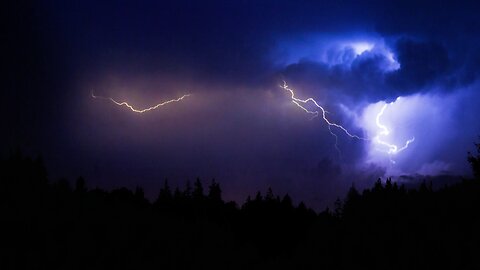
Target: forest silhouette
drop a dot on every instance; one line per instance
(52, 225)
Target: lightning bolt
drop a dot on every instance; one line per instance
(392, 149)
(124, 103)
(316, 113)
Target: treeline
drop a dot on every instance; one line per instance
(54, 225)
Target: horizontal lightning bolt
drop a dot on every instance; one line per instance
(384, 131)
(124, 103)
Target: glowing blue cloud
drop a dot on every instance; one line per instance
(361, 47)
(334, 51)
(428, 118)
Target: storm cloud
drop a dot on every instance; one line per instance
(239, 126)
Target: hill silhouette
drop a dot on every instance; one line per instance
(54, 225)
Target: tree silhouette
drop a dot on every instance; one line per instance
(80, 186)
(187, 193)
(287, 202)
(47, 224)
(269, 196)
(197, 193)
(164, 195)
(214, 192)
(474, 161)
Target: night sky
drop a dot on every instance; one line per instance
(238, 125)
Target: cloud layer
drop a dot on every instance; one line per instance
(239, 126)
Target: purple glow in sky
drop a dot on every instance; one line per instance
(238, 126)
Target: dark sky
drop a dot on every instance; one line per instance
(420, 59)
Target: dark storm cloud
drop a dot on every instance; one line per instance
(437, 40)
(238, 125)
(231, 41)
(436, 45)
(364, 77)
(422, 63)
(225, 39)
(452, 19)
